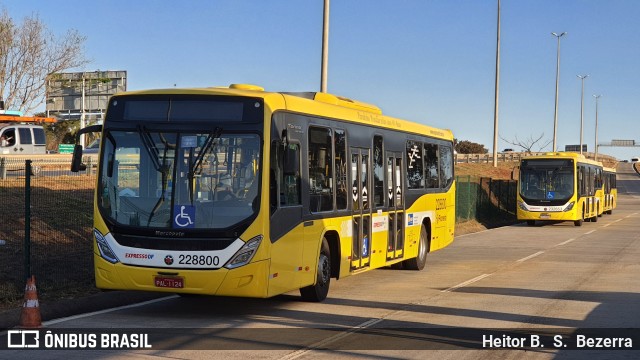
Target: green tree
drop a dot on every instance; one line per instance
(468, 147)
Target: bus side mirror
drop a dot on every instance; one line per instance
(515, 173)
(76, 160)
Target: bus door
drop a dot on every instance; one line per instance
(361, 216)
(395, 195)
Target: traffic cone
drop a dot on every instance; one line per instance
(30, 316)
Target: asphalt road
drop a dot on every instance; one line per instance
(516, 281)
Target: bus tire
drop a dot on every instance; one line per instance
(579, 222)
(595, 218)
(531, 222)
(320, 289)
(418, 262)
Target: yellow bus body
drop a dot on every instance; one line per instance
(580, 206)
(291, 263)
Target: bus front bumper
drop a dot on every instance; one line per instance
(250, 280)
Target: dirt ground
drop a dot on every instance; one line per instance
(60, 245)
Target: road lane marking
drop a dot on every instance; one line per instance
(589, 232)
(322, 344)
(566, 242)
(606, 225)
(80, 316)
(477, 278)
(531, 256)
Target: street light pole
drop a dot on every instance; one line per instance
(555, 113)
(82, 116)
(325, 48)
(495, 110)
(582, 77)
(596, 140)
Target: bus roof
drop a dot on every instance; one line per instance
(312, 103)
(563, 154)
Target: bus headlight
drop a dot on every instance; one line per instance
(568, 208)
(245, 254)
(522, 205)
(103, 246)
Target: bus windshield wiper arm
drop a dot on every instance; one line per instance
(163, 168)
(195, 165)
(164, 172)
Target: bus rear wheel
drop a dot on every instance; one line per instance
(320, 289)
(418, 262)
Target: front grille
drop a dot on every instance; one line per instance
(179, 244)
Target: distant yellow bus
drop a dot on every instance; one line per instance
(610, 190)
(561, 186)
(241, 192)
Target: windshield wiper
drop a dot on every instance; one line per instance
(195, 165)
(163, 168)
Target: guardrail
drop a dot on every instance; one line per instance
(516, 156)
(51, 162)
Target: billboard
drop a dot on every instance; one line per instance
(67, 92)
(575, 148)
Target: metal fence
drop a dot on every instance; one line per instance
(51, 238)
(489, 201)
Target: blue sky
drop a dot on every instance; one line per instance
(429, 61)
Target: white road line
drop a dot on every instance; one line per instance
(606, 225)
(615, 221)
(589, 232)
(566, 242)
(51, 322)
(323, 343)
(531, 256)
(477, 278)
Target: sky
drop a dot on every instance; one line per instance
(428, 61)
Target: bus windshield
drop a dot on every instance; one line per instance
(546, 179)
(179, 180)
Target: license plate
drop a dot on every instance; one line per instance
(173, 282)
(545, 216)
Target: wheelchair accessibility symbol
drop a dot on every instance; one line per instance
(185, 216)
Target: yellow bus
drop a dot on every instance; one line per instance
(560, 186)
(610, 190)
(237, 191)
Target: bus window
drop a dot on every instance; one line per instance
(290, 188)
(320, 174)
(415, 176)
(446, 166)
(378, 172)
(431, 165)
(341, 169)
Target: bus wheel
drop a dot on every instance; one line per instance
(531, 222)
(319, 291)
(418, 263)
(595, 218)
(579, 222)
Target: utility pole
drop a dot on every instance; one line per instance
(325, 48)
(497, 88)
